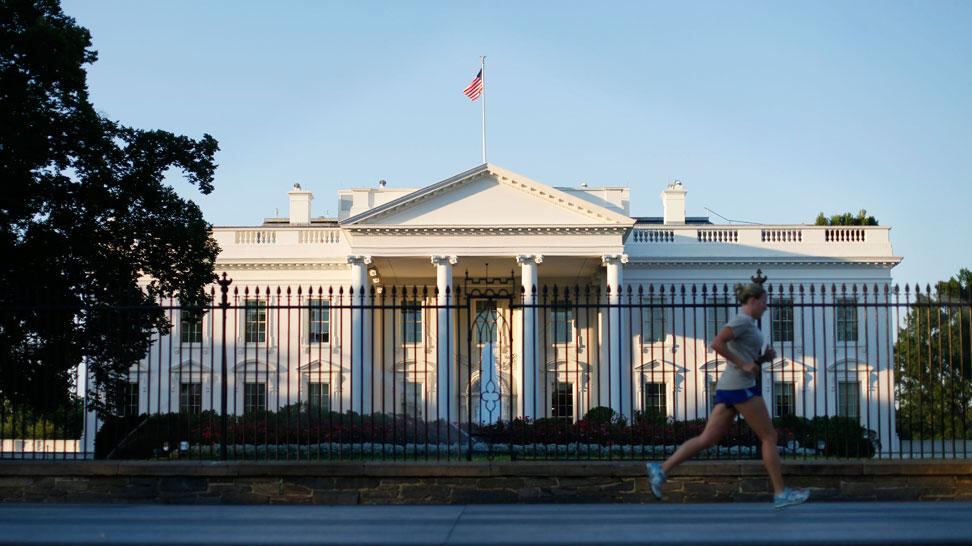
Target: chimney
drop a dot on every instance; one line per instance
(673, 202)
(300, 204)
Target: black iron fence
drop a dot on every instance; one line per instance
(489, 370)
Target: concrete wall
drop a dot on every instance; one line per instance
(468, 483)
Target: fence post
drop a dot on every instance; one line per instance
(224, 305)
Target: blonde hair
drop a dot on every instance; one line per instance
(748, 291)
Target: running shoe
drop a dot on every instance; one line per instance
(656, 477)
(789, 497)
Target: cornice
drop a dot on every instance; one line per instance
(581, 229)
(281, 266)
(643, 263)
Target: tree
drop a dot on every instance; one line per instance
(85, 215)
(933, 361)
(847, 219)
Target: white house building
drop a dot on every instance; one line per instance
(439, 302)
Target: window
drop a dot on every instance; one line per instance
(847, 319)
(411, 322)
(255, 321)
(848, 399)
(784, 398)
(654, 402)
(190, 398)
(319, 397)
(711, 394)
(190, 326)
(254, 398)
(486, 324)
(716, 316)
(562, 329)
(562, 401)
(653, 321)
(320, 321)
(131, 399)
(413, 401)
(782, 313)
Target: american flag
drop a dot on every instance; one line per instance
(476, 87)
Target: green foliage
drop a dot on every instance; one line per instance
(144, 436)
(85, 214)
(828, 436)
(847, 219)
(601, 415)
(63, 423)
(933, 362)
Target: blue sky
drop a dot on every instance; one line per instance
(768, 112)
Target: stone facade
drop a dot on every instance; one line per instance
(467, 483)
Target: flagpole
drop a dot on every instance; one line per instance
(483, 68)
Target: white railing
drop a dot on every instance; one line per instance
(654, 236)
(319, 236)
(255, 237)
(717, 235)
(782, 235)
(845, 235)
(804, 240)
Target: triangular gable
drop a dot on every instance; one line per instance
(488, 196)
(784, 365)
(648, 369)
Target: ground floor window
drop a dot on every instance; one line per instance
(413, 403)
(562, 401)
(784, 398)
(254, 398)
(318, 397)
(131, 399)
(190, 398)
(654, 402)
(848, 399)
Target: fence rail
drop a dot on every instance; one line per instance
(490, 370)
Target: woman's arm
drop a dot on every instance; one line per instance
(719, 344)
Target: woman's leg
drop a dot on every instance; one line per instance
(715, 428)
(754, 411)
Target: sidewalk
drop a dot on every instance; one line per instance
(676, 524)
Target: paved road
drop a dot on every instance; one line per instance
(717, 524)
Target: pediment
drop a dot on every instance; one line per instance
(656, 366)
(488, 196)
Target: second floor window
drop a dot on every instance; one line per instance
(719, 310)
(255, 321)
(653, 321)
(190, 326)
(562, 323)
(782, 313)
(320, 321)
(411, 322)
(846, 319)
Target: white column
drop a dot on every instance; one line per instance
(361, 344)
(615, 385)
(447, 399)
(531, 407)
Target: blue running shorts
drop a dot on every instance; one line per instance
(733, 397)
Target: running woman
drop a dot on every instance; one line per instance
(739, 342)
